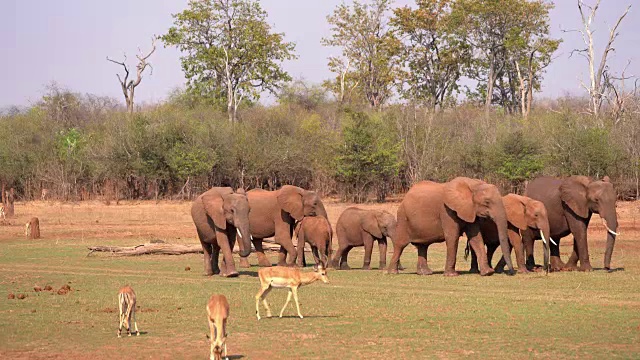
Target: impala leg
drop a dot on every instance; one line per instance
(259, 296)
(294, 290)
(225, 351)
(135, 323)
(286, 303)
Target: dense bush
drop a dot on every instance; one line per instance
(80, 146)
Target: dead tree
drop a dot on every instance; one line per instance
(617, 94)
(9, 206)
(129, 86)
(32, 229)
(597, 84)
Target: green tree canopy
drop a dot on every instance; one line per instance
(230, 51)
(369, 49)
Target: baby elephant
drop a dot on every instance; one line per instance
(317, 232)
(359, 227)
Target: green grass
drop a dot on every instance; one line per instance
(360, 314)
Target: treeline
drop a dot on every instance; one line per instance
(86, 147)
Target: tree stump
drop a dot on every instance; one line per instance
(9, 207)
(32, 229)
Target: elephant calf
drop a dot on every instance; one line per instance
(317, 232)
(359, 227)
(524, 215)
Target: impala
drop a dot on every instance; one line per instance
(286, 277)
(127, 306)
(218, 313)
(2, 214)
(44, 193)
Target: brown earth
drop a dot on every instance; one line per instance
(171, 222)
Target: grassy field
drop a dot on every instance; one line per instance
(360, 314)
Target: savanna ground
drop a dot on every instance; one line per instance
(360, 314)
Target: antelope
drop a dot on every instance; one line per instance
(217, 314)
(286, 277)
(44, 194)
(2, 214)
(27, 229)
(127, 306)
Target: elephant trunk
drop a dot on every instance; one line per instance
(611, 224)
(545, 234)
(244, 242)
(500, 218)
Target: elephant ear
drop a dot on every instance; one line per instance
(459, 198)
(213, 202)
(573, 192)
(515, 207)
(371, 224)
(290, 200)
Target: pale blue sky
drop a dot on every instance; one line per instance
(67, 41)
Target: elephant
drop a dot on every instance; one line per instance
(523, 215)
(317, 232)
(435, 212)
(219, 214)
(360, 227)
(570, 202)
(275, 213)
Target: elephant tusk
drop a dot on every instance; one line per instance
(608, 229)
(553, 242)
(544, 241)
(238, 231)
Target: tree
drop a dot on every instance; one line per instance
(519, 159)
(129, 87)
(230, 51)
(369, 49)
(369, 157)
(597, 78)
(433, 58)
(506, 36)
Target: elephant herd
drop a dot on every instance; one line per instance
(430, 212)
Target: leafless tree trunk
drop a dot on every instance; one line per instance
(9, 207)
(129, 86)
(597, 86)
(617, 94)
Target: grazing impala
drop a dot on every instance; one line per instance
(218, 313)
(127, 305)
(286, 277)
(2, 214)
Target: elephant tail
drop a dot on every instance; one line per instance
(467, 250)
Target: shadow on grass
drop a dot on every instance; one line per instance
(248, 273)
(610, 270)
(233, 357)
(305, 317)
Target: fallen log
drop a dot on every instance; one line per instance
(158, 247)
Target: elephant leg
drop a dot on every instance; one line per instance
(572, 263)
(225, 242)
(300, 250)
(288, 252)
(368, 250)
(382, 245)
(556, 262)
(344, 262)
(528, 242)
(518, 247)
(474, 261)
(395, 259)
(208, 264)
(263, 261)
(316, 256)
(215, 259)
(337, 257)
(423, 267)
(491, 250)
(580, 245)
(477, 244)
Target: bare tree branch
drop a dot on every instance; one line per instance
(128, 88)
